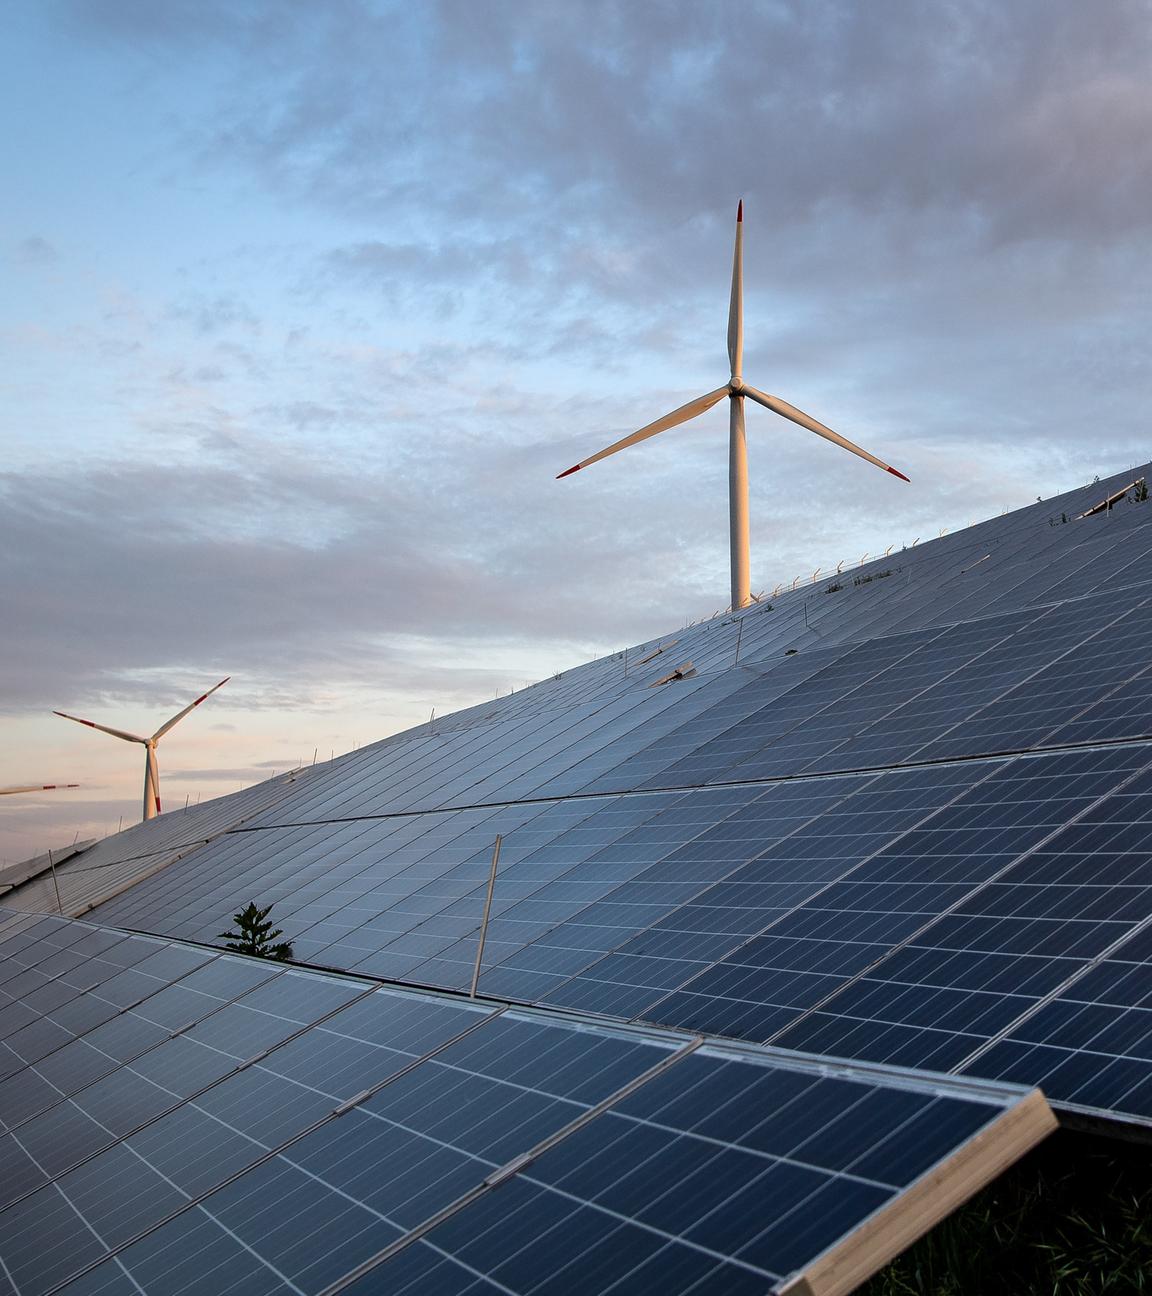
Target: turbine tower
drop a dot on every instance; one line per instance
(736, 390)
(151, 769)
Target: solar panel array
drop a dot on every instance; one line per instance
(180, 1120)
(898, 819)
(119, 861)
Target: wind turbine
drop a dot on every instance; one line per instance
(151, 769)
(736, 390)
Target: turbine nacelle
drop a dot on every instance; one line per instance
(736, 390)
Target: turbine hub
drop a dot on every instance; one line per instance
(736, 384)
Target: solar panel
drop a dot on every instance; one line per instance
(784, 912)
(724, 1173)
(1090, 1042)
(372, 1121)
(896, 818)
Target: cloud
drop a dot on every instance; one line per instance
(241, 774)
(216, 314)
(1004, 123)
(419, 258)
(36, 251)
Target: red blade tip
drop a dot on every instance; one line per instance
(568, 472)
(897, 473)
(740, 211)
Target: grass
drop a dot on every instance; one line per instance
(1073, 1218)
(867, 580)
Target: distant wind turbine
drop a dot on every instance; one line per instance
(151, 769)
(37, 787)
(735, 390)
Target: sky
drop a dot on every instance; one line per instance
(305, 306)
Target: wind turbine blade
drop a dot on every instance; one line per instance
(681, 415)
(782, 407)
(116, 733)
(191, 707)
(37, 787)
(736, 303)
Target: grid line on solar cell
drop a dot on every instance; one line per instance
(849, 814)
(969, 896)
(899, 663)
(777, 1192)
(193, 1200)
(970, 672)
(335, 1115)
(180, 1099)
(1104, 633)
(115, 1062)
(807, 820)
(962, 791)
(1057, 992)
(82, 1038)
(970, 976)
(515, 1166)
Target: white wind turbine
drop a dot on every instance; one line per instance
(151, 769)
(736, 390)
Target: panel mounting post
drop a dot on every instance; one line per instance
(55, 883)
(484, 919)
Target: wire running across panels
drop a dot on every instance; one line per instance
(377, 1134)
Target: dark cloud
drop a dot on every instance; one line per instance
(1002, 122)
(969, 124)
(172, 566)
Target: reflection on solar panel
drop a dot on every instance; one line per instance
(898, 819)
(249, 1126)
